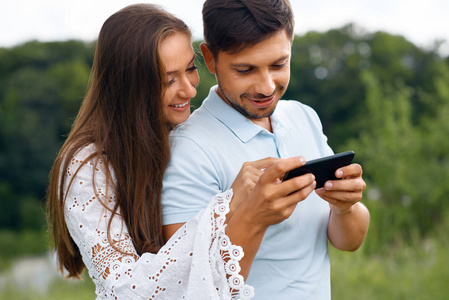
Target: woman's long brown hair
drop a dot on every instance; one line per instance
(122, 116)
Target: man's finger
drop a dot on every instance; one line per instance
(263, 164)
(350, 170)
(282, 166)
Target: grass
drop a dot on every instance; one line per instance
(15, 244)
(61, 289)
(413, 272)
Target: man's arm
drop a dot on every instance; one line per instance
(260, 200)
(189, 183)
(244, 183)
(270, 202)
(349, 219)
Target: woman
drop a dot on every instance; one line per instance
(104, 194)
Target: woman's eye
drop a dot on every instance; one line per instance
(192, 69)
(171, 81)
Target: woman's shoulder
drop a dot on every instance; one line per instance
(88, 169)
(84, 159)
(87, 154)
(83, 153)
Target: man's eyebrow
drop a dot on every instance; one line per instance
(192, 60)
(243, 65)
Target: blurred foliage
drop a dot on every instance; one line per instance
(376, 93)
(406, 161)
(327, 69)
(19, 244)
(413, 270)
(41, 89)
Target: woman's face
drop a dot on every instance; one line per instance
(177, 55)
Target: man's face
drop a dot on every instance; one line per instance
(253, 80)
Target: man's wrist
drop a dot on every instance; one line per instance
(340, 212)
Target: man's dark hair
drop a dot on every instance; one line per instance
(232, 25)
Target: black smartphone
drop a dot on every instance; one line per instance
(323, 168)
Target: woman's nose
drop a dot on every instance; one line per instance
(188, 88)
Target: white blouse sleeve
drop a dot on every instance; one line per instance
(198, 262)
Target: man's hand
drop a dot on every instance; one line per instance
(343, 194)
(349, 219)
(246, 179)
(267, 201)
(270, 200)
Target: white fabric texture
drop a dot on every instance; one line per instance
(198, 262)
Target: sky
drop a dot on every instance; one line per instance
(421, 22)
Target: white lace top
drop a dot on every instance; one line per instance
(198, 262)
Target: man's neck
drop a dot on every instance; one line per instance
(264, 123)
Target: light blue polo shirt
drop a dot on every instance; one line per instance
(208, 151)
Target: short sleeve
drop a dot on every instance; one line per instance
(190, 180)
(317, 130)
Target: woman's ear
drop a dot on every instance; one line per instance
(208, 58)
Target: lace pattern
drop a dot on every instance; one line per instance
(198, 262)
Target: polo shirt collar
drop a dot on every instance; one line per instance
(240, 125)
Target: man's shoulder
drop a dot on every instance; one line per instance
(296, 110)
(288, 105)
(200, 125)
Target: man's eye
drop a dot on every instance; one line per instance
(244, 71)
(278, 66)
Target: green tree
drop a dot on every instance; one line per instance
(41, 88)
(326, 74)
(405, 163)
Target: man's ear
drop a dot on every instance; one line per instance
(208, 58)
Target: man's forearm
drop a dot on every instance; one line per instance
(347, 231)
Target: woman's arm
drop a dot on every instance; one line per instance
(181, 268)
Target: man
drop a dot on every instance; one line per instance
(248, 48)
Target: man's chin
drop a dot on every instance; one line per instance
(259, 114)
